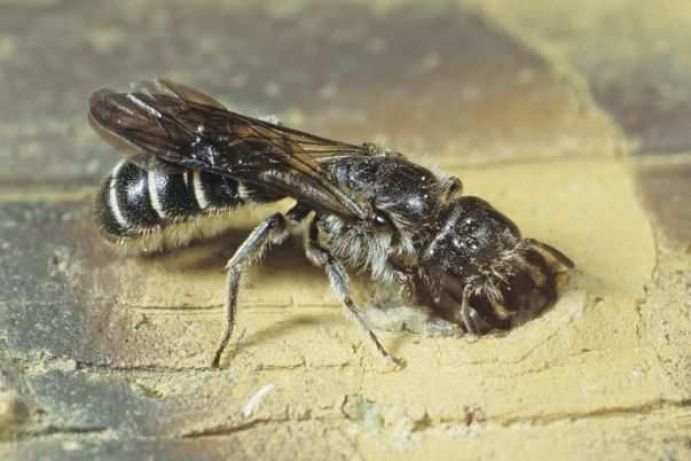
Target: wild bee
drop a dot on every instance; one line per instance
(191, 161)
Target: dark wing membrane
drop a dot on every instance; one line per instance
(185, 127)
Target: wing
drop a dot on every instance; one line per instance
(185, 127)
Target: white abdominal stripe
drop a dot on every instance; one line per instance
(152, 210)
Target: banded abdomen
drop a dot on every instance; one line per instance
(149, 210)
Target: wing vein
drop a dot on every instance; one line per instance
(183, 126)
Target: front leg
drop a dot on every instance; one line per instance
(468, 315)
(273, 230)
(470, 318)
(338, 278)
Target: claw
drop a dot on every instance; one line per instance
(397, 363)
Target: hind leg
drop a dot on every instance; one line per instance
(273, 230)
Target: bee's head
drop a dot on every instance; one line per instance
(478, 257)
(471, 236)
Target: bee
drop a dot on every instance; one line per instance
(191, 162)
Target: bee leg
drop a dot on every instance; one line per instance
(338, 278)
(500, 309)
(273, 230)
(469, 317)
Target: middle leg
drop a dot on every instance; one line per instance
(338, 278)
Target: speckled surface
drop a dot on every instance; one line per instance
(571, 119)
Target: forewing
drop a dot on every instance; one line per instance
(183, 126)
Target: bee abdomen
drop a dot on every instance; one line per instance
(148, 210)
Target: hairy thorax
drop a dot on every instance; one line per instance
(406, 195)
